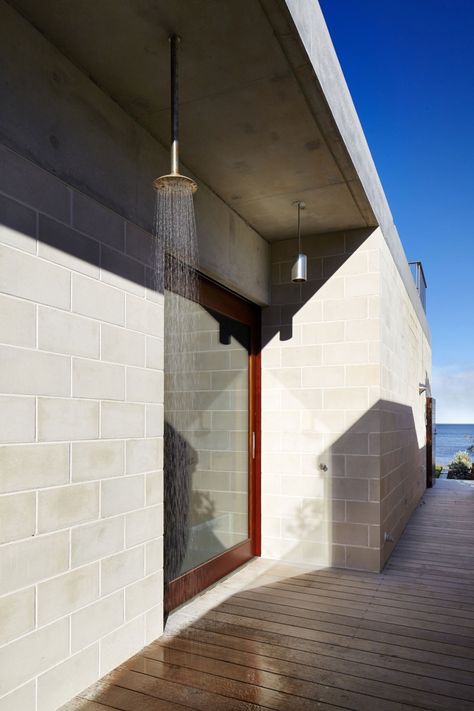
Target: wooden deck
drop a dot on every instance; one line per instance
(280, 637)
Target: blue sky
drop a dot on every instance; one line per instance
(409, 65)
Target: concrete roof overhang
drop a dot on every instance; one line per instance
(256, 125)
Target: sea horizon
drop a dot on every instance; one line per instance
(452, 437)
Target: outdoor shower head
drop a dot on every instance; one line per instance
(174, 180)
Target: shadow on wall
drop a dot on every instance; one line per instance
(80, 233)
(365, 484)
(326, 255)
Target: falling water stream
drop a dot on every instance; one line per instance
(175, 230)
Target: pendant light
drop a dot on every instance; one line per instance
(299, 270)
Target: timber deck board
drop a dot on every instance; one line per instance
(293, 639)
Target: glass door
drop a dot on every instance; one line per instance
(211, 487)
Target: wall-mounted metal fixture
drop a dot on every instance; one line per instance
(422, 388)
(299, 270)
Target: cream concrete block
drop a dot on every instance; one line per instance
(363, 375)
(96, 540)
(145, 316)
(363, 330)
(154, 420)
(153, 624)
(92, 379)
(304, 398)
(118, 345)
(144, 455)
(121, 495)
(67, 506)
(271, 400)
(153, 556)
(320, 421)
(357, 263)
(323, 376)
(122, 420)
(98, 221)
(309, 312)
(322, 333)
(281, 378)
(271, 527)
(350, 489)
(143, 595)
(271, 358)
(60, 684)
(17, 516)
(23, 699)
(288, 506)
(271, 483)
(301, 356)
(154, 488)
(40, 558)
(121, 569)
(346, 309)
(17, 225)
(17, 613)
(22, 660)
(363, 512)
(144, 525)
(31, 278)
(375, 307)
(96, 620)
(302, 442)
(277, 421)
(121, 644)
(67, 333)
(351, 443)
(345, 353)
(97, 300)
(61, 419)
(345, 398)
(82, 255)
(97, 460)
(363, 558)
(365, 466)
(305, 486)
(144, 385)
(362, 285)
(62, 595)
(154, 353)
(17, 322)
(33, 466)
(17, 419)
(26, 372)
(350, 533)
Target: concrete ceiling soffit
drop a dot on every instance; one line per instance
(281, 20)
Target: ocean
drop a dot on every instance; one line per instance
(452, 438)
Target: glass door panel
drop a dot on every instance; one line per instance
(208, 465)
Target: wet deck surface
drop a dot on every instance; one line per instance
(275, 636)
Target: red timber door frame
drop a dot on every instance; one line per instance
(430, 442)
(182, 588)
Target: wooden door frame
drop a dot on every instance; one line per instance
(216, 297)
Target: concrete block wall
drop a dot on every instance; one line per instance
(324, 404)
(405, 363)
(81, 418)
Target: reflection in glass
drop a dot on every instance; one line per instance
(206, 435)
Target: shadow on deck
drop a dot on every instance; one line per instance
(275, 636)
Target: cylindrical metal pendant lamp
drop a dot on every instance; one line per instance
(299, 270)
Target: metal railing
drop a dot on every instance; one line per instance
(420, 280)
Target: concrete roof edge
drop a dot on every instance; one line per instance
(310, 25)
